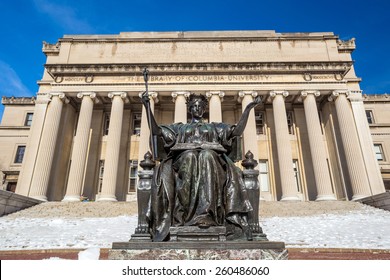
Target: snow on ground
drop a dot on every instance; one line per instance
(369, 229)
(355, 230)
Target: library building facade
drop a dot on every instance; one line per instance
(315, 135)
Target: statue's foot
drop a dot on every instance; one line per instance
(205, 221)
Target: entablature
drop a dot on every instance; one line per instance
(317, 67)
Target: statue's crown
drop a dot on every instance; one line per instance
(195, 97)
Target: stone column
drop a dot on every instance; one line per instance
(283, 146)
(27, 171)
(179, 97)
(144, 138)
(352, 149)
(249, 135)
(113, 147)
(80, 148)
(215, 107)
(44, 160)
(366, 143)
(317, 147)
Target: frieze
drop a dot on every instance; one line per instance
(195, 79)
(236, 68)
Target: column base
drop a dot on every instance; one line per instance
(71, 198)
(106, 198)
(39, 197)
(290, 198)
(326, 198)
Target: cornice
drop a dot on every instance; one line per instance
(196, 36)
(50, 49)
(346, 46)
(340, 68)
(3, 127)
(18, 100)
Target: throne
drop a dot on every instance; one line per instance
(193, 233)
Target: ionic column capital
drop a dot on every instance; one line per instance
(151, 94)
(274, 93)
(175, 94)
(336, 93)
(90, 94)
(210, 93)
(305, 93)
(242, 93)
(121, 94)
(60, 95)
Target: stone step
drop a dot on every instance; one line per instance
(113, 209)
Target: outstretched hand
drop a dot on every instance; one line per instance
(145, 98)
(255, 102)
(239, 128)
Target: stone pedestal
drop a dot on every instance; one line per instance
(196, 234)
(247, 250)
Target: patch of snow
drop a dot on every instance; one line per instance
(358, 229)
(89, 254)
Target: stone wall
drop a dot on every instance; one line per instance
(11, 202)
(381, 200)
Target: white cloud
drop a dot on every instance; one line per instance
(64, 16)
(10, 83)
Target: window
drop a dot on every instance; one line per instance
(28, 120)
(259, 118)
(11, 186)
(370, 116)
(136, 124)
(101, 172)
(133, 175)
(106, 123)
(296, 175)
(264, 179)
(19, 154)
(379, 152)
(290, 122)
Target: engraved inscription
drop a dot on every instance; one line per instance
(74, 79)
(203, 78)
(199, 79)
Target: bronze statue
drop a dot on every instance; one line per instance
(197, 182)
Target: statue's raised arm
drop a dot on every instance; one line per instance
(153, 126)
(240, 127)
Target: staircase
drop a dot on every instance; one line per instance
(114, 209)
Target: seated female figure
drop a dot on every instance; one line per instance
(197, 184)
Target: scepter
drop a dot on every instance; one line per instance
(148, 112)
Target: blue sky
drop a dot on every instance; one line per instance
(24, 24)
